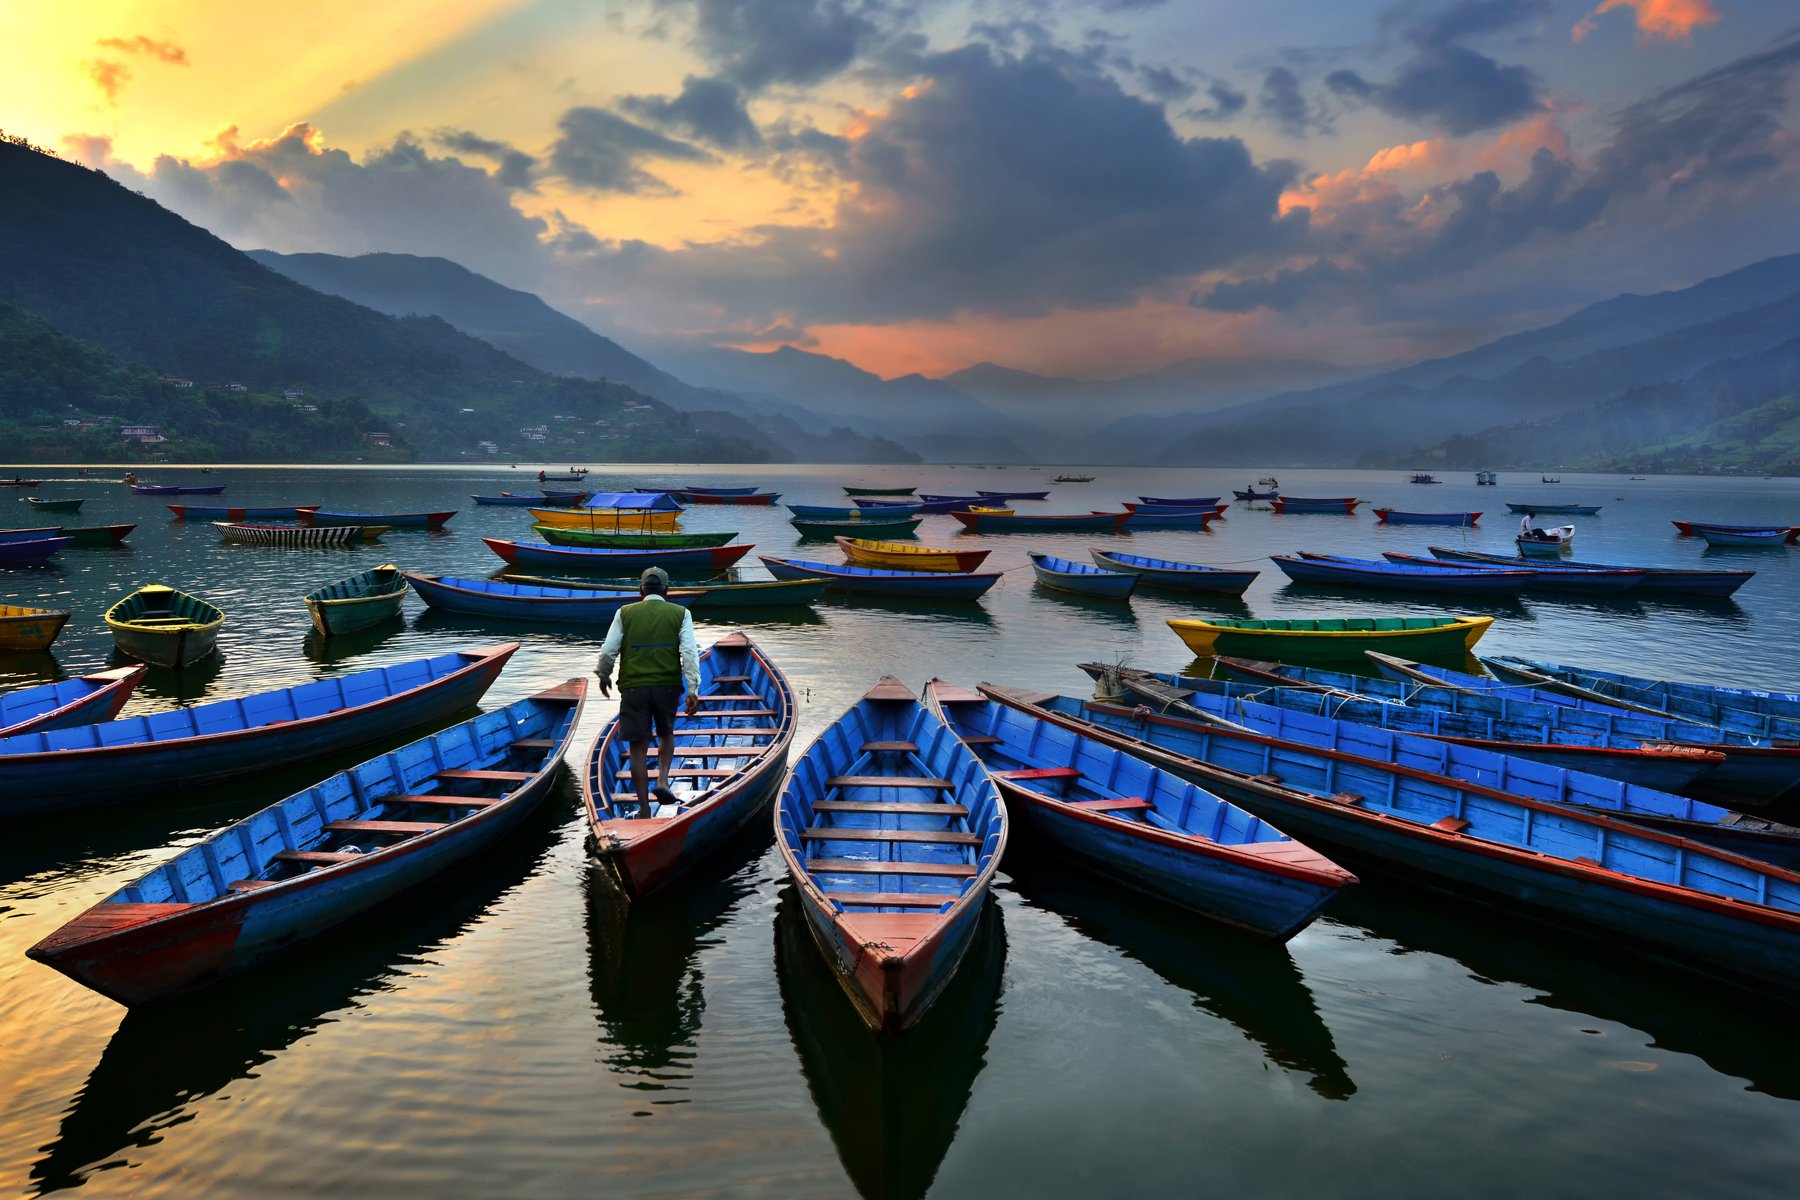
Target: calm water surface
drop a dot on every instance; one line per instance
(519, 1032)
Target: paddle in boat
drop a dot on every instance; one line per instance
(1315, 504)
(421, 520)
(299, 537)
(702, 559)
(898, 556)
(1081, 579)
(605, 539)
(365, 599)
(31, 550)
(1666, 580)
(1392, 516)
(873, 581)
(1175, 576)
(709, 597)
(86, 700)
(211, 512)
(1694, 529)
(1332, 637)
(891, 831)
(727, 762)
(138, 760)
(335, 853)
(1327, 571)
(1124, 819)
(823, 528)
(515, 600)
(26, 628)
(163, 627)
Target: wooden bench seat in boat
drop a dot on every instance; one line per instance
(949, 837)
(314, 858)
(534, 744)
(459, 775)
(983, 739)
(892, 899)
(900, 781)
(928, 808)
(726, 730)
(392, 828)
(248, 885)
(1123, 804)
(733, 679)
(728, 698)
(1040, 773)
(443, 801)
(886, 747)
(731, 714)
(869, 866)
(711, 752)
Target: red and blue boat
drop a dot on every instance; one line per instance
(922, 504)
(171, 489)
(703, 559)
(214, 512)
(68, 702)
(146, 759)
(1177, 502)
(30, 550)
(1168, 518)
(1697, 528)
(335, 853)
(1548, 578)
(827, 512)
(1708, 910)
(1393, 516)
(1063, 575)
(1098, 522)
(1315, 504)
(1328, 571)
(1664, 580)
(891, 831)
(507, 600)
(1141, 508)
(1129, 821)
(416, 520)
(874, 581)
(1176, 576)
(727, 762)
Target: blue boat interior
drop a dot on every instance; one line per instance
(423, 787)
(521, 591)
(305, 700)
(1161, 564)
(1064, 566)
(28, 704)
(888, 812)
(745, 710)
(1739, 710)
(809, 567)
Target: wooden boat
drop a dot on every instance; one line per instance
(989, 510)
(1694, 528)
(1166, 518)
(546, 499)
(613, 519)
(33, 550)
(904, 527)
(19, 482)
(171, 489)
(572, 475)
(430, 520)
(871, 581)
(891, 831)
(606, 539)
(25, 628)
(1176, 576)
(1315, 504)
(139, 760)
(1568, 510)
(1009, 497)
(1041, 522)
(1332, 637)
(30, 535)
(363, 600)
(1073, 479)
(545, 600)
(1550, 478)
(922, 504)
(728, 762)
(879, 491)
(1390, 516)
(81, 536)
(212, 512)
(1063, 575)
(1123, 818)
(709, 597)
(1328, 571)
(1703, 909)
(67, 504)
(704, 559)
(1745, 537)
(299, 537)
(1423, 477)
(1139, 508)
(825, 512)
(1759, 713)
(164, 627)
(1668, 580)
(898, 556)
(760, 499)
(86, 700)
(1546, 543)
(339, 852)
(698, 490)
(1546, 578)
(1177, 502)
(1253, 494)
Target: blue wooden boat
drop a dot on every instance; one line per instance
(217, 512)
(1372, 573)
(1569, 510)
(29, 535)
(86, 700)
(322, 858)
(727, 763)
(512, 601)
(145, 759)
(808, 528)
(1708, 910)
(703, 559)
(1179, 502)
(30, 550)
(415, 520)
(1547, 577)
(1138, 508)
(697, 490)
(1125, 819)
(1666, 580)
(1744, 710)
(1099, 522)
(922, 504)
(872, 581)
(1695, 528)
(538, 500)
(171, 489)
(1083, 580)
(1744, 537)
(1005, 496)
(1166, 518)
(891, 831)
(1176, 576)
(1393, 516)
(1546, 543)
(1253, 494)
(1315, 504)
(707, 597)
(828, 512)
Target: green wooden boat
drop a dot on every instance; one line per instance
(363, 600)
(1332, 637)
(879, 491)
(97, 535)
(630, 539)
(831, 529)
(71, 504)
(164, 627)
(708, 597)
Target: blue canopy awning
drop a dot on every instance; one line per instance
(648, 501)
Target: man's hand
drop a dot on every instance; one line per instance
(693, 704)
(605, 686)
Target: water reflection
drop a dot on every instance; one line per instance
(1246, 980)
(1509, 607)
(1089, 608)
(891, 1104)
(342, 647)
(28, 668)
(163, 1061)
(180, 685)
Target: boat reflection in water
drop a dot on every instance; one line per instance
(892, 1104)
(345, 647)
(644, 961)
(1249, 981)
(165, 1061)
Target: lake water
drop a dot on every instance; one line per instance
(518, 1032)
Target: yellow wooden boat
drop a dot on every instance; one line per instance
(990, 512)
(899, 556)
(611, 520)
(164, 627)
(1332, 637)
(24, 628)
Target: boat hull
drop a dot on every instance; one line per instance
(346, 616)
(523, 602)
(1041, 523)
(905, 527)
(909, 558)
(431, 520)
(1305, 504)
(606, 540)
(1448, 639)
(211, 512)
(1179, 577)
(572, 558)
(29, 628)
(1470, 581)
(922, 585)
(1097, 582)
(1389, 516)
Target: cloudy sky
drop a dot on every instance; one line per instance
(1091, 187)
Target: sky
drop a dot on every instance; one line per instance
(1083, 187)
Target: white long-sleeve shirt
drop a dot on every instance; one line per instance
(690, 648)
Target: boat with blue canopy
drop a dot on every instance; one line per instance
(86, 700)
(1139, 826)
(873, 581)
(356, 843)
(1064, 575)
(1176, 576)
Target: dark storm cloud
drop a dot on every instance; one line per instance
(1282, 102)
(756, 43)
(1227, 102)
(708, 110)
(513, 167)
(600, 150)
(1165, 85)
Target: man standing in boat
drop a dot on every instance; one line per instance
(653, 643)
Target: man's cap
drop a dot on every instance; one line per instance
(657, 573)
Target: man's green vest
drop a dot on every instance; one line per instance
(651, 654)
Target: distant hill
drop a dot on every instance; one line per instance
(105, 265)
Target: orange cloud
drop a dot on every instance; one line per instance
(108, 76)
(168, 52)
(1670, 20)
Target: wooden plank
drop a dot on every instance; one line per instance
(886, 747)
(889, 689)
(728, 698)
(732, 714)
(1040, 773)
(899, 781)
(723, 730)
(733, 679)
(892, 899)
(485, 776)
(708, 752)
(949, 693)
(534, 744)
(317, 858)
(982, 739)
(863, 866)
(398, 828)
(1123, 804)
(925, 808)
(946, 837)
(248, 885)
(439, 801)
(1450, 824)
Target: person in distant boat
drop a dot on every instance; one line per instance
(1527, 529)
(652, 641)
(542, 477)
